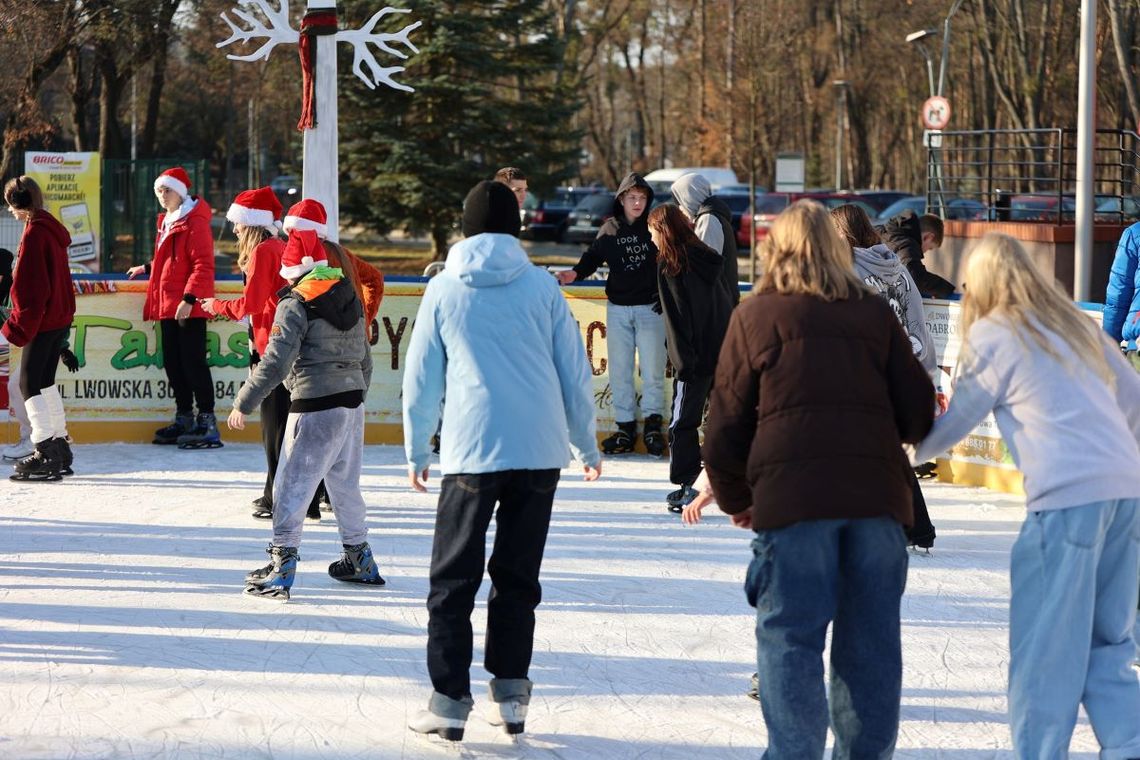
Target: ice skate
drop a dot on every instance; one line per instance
(926, 471)
(204, 435)
(512, 697)
(754, 687)
(275, 579)
(168, 435)
(920, 544)
(356, 565)
(20, 449)
(41, 465)
(445, 717)
(262, 508)
(676, 500)
(654, 440)
(63, 449)
(621, 442)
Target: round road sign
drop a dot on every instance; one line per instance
(936, 112)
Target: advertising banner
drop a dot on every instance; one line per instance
(70, 184)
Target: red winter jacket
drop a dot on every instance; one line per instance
(259, 297)
(183, 264)
(43, 297)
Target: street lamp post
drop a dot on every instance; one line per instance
(916, 38)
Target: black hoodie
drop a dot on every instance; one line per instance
(696, 308)
(627, 250)
(903, 235)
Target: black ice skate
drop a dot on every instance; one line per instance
(622, 441)
(168, 436)
(357, 565)
(275, 579)
(204, 435)
(677, 500)
(262, 508)
(926, 470)
(63, 448)
(654, 440)
(41, 465)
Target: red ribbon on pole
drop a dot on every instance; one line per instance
(313, 23)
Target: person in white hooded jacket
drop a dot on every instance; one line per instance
(495, 333)
(882, 270)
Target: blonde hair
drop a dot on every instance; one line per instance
(1004, 283)
(249, 238)
(804, 254)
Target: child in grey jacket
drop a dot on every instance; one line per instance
(317, 347)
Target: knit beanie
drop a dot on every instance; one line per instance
(490, 207)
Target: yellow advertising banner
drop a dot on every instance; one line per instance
(120, 391)
(70, 183)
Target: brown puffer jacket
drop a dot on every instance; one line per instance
(810, 407)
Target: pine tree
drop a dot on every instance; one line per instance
(486, 96)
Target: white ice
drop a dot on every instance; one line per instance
(123, 632)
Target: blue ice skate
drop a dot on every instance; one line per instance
(275, 579)
(357, 566)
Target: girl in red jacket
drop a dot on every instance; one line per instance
(43, 304)
(256, 217)
(181, 273)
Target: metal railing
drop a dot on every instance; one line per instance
(1029, 175)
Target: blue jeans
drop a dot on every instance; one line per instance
(851, 574)
(1072, 607)
(629, 328)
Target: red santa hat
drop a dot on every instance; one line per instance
(307, 214)
(256, 208)
(303, 253)
(175, 179)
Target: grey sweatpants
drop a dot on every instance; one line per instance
(320, 445)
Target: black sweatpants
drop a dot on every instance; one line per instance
(184, 358)
(923, 530)
(466, 502)
(689, 397)
(39, 361)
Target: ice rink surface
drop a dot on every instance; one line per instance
(124, 632)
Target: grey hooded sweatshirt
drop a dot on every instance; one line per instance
(712, 221)
(881, 269)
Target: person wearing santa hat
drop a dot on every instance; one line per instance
(317, 348)
(182, 273)
(256, 217)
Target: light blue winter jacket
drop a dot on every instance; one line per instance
(1122, 299)
(495, 335)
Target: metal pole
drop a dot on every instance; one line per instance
(946, 47)
(839, 142)
(1086, 97)
(319, 173)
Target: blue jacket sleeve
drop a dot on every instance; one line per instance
(1121, 284)
(424, 381)
(574, 376)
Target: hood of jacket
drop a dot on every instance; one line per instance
(691, 191)
(487, 260)
(327, 295)
(194, 208)
(717, 207)
(49, 225)
(878, 260)
(632, 180)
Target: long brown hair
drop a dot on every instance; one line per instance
(23, 194)
(248, 239)
(675, 236)
(853, 225)
(803, 254)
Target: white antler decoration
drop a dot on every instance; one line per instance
(361, 38)
(279, 31)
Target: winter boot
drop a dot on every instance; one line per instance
(445, 716)
(20, 449)
(59, 428)
(512, 695)
(275, 579)
(621, 442)
(42, 464)
(183, 423)
(654, 440)
(204, 435)
(357, 565)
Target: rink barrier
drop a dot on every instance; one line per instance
(120, 391)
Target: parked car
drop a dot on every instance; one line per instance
(769, 206)
(287, 188)
(966, 209)
(737, 202)
(663, 179)
(915, 203)
(546, 218)
(583, 222)
(1117, 210)
(881, 199)
(1039, 207)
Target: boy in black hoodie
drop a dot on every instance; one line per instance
(633, 315)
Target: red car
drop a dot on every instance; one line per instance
(769, 206)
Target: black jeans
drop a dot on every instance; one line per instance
(689, 397)
(184, 358)
(466, 503)
(923, 529)
(274, 414)
(40, 360)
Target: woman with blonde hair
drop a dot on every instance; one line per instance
(1068, 408)
(816, 390)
